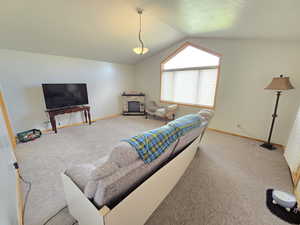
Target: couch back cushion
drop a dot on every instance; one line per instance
(104, 170)
(111, 188)
(123, 154)
(188, 138)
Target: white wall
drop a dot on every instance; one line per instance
(22, 74)
(247, 67)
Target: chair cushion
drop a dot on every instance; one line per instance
(161, 112)
(172, 107)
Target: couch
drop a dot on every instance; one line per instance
(108, 185)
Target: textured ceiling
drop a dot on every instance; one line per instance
(107, 29)
(93, 29)
(250, 19)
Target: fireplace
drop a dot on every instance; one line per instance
(134, 106)
(133, 103)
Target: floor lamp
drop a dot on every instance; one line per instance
(278, 84)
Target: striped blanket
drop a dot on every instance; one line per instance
(151, 144)
(185, 123)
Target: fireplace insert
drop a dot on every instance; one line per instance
(133, 104)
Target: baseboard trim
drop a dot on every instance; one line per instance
(80, 123)
(246, 137)
(107, 117)
(212, 129)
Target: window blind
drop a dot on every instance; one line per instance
(195, 87)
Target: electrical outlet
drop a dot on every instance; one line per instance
(239, 125)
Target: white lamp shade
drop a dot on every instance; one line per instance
(280, 83)
(140, 51)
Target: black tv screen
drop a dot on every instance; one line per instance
(65, 95)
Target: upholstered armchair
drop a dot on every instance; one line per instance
(164, 112)
(206, 114)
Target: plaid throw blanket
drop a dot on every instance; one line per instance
(151, 144)
(186, 123)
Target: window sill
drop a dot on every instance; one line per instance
(187, 104)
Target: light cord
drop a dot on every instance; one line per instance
(140, 32)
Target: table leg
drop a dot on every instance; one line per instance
(89, 116)
(53, 123)
(85, 116)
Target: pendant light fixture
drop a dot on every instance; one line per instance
(141, 50)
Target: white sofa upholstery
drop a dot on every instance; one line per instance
(123, 171)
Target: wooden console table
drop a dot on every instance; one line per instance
(53, 113)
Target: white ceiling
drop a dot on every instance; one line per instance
(250, 19)
(107, 29)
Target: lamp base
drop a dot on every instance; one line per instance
(268, 146)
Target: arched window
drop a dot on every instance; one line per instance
(190, 77)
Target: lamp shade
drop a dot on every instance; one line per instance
(140, 51)
(280, 83)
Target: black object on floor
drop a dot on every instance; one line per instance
(290, 217)
(29, 135)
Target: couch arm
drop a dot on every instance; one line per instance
(80, 174)
(112, 187)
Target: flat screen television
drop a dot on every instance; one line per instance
(65, 95)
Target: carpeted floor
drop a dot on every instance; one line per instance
(225, 184)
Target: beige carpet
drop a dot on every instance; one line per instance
(225, 184)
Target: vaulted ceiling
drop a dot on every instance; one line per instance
(107, 29)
